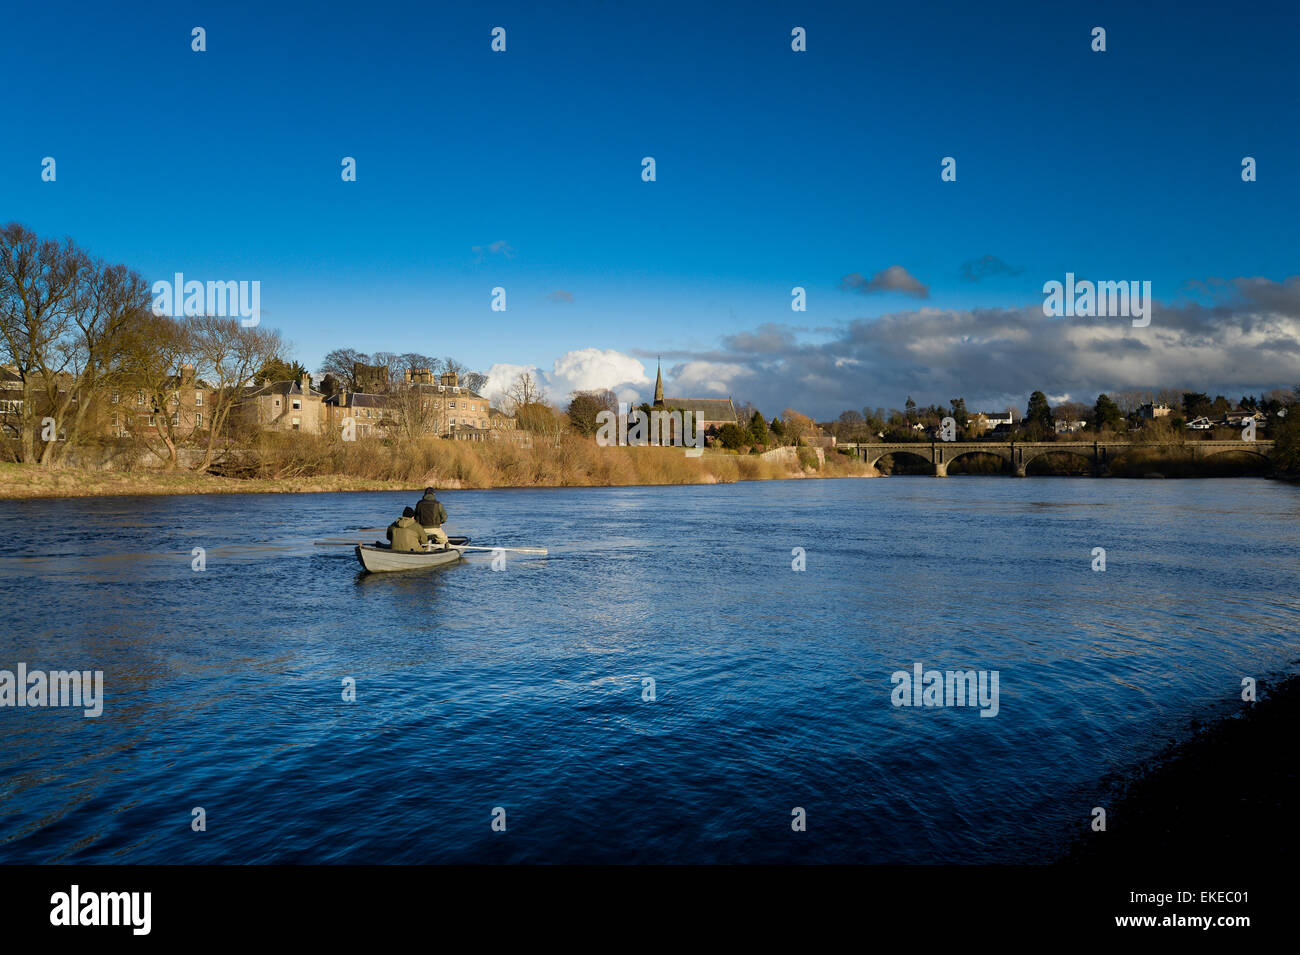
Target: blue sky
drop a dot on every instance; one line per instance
(774, 168)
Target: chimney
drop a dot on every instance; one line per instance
(306, 383)
(407, 375)
(449, 379)
(187, 373)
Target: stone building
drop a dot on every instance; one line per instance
(370, 379)
(132, 411)
(286, 406)
(454, 411)
(371, 415)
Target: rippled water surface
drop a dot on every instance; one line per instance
(522, 689)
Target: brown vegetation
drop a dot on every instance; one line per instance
(298, 462)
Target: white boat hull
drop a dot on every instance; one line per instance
(378, 560)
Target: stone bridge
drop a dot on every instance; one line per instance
(940, 454)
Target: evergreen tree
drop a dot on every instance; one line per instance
(1106, 415)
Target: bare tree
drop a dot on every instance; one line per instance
(108, 313)
(341, 363)
(414, 416)
(228, 355)
(452, 365)
(523, 391)
(39, 281)
(416, 360)
(155, 364)
(797, 424)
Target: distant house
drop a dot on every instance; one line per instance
(982, 422)
(287, 406)
(1065, 426)
(1237, 417)
(1150, 411)
(1200, 424)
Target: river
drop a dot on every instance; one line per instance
(522, 694)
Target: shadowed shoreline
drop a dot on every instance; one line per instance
(1225, 797)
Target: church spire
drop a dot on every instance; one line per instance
(659, 386)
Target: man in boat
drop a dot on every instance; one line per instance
(431, 515)
(407, 536)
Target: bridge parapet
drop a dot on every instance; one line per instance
(940, 454)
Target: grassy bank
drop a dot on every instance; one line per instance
(304, 463)
(1227, 795)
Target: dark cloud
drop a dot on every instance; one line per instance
(768, 339)
(1246, 343)
(986, 267)
(893, 279)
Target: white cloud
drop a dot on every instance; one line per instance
(701, 378)
(500, 377)
(586, 369)
(593, 368)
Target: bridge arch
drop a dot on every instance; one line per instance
(1033, 454)
(956, 452)
(922, 453)
(1246, 447)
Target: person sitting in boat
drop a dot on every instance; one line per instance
(407, 536)
(431, 515)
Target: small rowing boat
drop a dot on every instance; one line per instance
(378, 557)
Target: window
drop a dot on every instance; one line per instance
(297, 404)
(198, 420)
(451, 404)
(139, 397)
(176, 397)
(176, 418)
(277, 402)
(198, 399)
(296, 423)
(116, 398)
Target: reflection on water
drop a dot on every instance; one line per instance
(523, 688)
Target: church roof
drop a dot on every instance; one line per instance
(705, 409)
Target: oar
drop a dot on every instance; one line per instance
(542, 551)
(539, 551)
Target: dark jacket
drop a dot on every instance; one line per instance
(407, 536)
(429, 512)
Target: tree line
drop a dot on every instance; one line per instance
(1107, 415)
(77, 333)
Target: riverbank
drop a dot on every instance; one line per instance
(449, 465)
(1225, 798)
